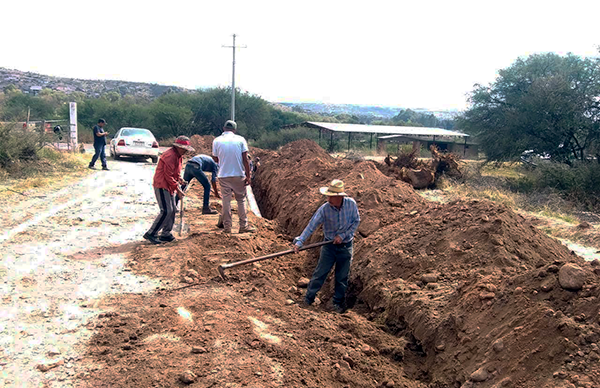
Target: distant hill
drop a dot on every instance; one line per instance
(368, 111)
(33, 83)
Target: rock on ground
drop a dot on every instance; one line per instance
(571, 277)
(187, 377)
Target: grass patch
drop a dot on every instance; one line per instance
(49, 166)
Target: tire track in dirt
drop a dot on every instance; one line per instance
(57, 266)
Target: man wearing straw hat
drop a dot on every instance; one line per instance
(340, 219)
(167, 181)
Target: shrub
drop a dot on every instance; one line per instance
(18, 144)
(580, 181)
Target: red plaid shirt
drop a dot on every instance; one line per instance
(168, 171)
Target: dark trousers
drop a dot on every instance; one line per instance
(166, 218)
(99, 152)
(340, 256)
(192, 170)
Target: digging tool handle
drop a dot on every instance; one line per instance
(273, 255)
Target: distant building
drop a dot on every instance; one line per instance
(35, 90)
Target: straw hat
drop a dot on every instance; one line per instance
(336, 188)
(184, 142)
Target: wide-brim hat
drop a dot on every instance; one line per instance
(335, 189)
(184, 142)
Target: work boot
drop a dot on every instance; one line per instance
(247, 229)
(152, 239)
(338, 308)
(168, 238)
(208, 210)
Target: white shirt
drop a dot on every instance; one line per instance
(228, 148)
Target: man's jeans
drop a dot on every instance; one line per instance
(193, 170)
(99, 152)
(340, 256)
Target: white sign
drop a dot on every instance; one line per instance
(73, 122)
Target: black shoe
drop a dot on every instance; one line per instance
(208, 210)
(105, 169)
(220, 223)
(338, 308)
(91, 167)
(167, 238)
(152, 239)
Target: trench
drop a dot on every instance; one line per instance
(413, 357)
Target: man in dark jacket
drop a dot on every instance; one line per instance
(196, 168)
(99, 145)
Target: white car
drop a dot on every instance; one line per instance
(134, 142)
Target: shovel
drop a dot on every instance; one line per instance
(182, 227)
(223, 267)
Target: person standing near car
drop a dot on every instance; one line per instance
(196, 168)
(230, 151)
(167, 181)
(99, 145)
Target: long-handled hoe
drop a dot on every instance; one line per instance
(223, 267)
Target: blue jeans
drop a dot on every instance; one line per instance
(192, 170)
(340, 256)
(99, 152)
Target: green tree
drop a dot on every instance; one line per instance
(547, 103)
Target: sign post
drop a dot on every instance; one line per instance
(73, 126)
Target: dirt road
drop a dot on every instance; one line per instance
(60, 255)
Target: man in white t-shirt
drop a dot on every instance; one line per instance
(230, 151)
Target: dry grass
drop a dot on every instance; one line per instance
(51, 167)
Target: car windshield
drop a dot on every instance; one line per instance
(136, 132)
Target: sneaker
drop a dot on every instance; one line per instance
(247, 229)
(208, 210)
(167, 238)
(338, 308)
(152, 239)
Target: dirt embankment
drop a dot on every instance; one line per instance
(472, 286)
(463, 294)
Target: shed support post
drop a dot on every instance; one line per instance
(331, 143)
(349, 135)
(371, 143)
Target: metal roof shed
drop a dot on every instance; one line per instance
(382, 129)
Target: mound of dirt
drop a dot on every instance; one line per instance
(473, 286)
(247, 331)
(287, 187)
(467, 294)
(202, 144)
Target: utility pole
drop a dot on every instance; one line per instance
(233, 77)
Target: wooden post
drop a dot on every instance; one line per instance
(349, 135)
(320, 132)
(371, 143)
